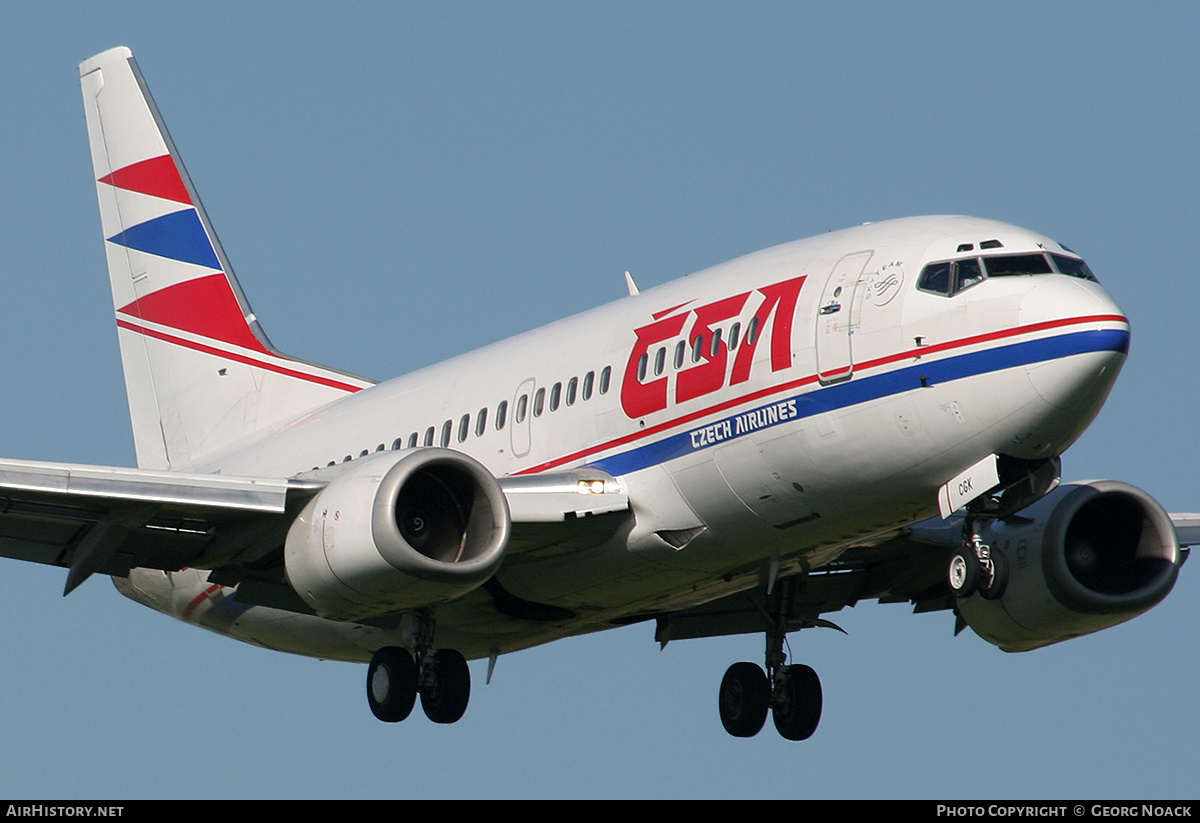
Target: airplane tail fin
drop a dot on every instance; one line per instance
(199, 372)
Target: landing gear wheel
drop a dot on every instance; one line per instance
(796, 703)
(964, 572)
(744, 699)
(392, 684)
(445, 685)
(993, 587)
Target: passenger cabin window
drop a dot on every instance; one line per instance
(539, 402)
(412, 440)
(429, 436)
(522, 408)
(446, 427)
(501, 414)
(605, 378)
(572, 389)
(589, 380)
(555, 396)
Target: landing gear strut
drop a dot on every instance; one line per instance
(791, 693)
(439, 676)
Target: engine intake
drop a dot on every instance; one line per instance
(398, 530)
(1085, 557)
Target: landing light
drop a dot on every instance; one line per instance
(591, 487)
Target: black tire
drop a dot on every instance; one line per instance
(445, 685)
(993, 589)
(744, 700)
(392, 684)
(963, 573)
(797, 702)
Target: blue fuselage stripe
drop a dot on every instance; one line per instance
(864, 389)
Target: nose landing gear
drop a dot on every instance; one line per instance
(976, 567)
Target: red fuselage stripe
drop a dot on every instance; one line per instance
(195, 602)
(913, 353)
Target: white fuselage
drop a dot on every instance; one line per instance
(854, 398)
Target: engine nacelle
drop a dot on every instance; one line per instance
(398, 530)
(1085, 557)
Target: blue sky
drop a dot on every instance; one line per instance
(397, 183)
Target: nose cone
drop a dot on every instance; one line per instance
(1085, 338)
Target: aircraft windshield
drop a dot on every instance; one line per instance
(952, 276)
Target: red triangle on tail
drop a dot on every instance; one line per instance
(157, 177)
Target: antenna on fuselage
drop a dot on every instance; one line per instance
(629, 284)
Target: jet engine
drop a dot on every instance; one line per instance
(398, 530)
(1085, 557)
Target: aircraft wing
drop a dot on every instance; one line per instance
(898, 569)
(901, 569)
(107, 519)
(1187, 527)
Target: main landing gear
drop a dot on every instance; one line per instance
(439, 676)
(394, 680)
(791, 693)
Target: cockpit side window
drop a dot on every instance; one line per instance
(935, 278)
(1073, 267)
(967, 274)
(950, 277)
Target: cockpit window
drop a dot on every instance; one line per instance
(968, 274)
(1073, 266)
(1014, 264)
(952, 276)
(935, 278)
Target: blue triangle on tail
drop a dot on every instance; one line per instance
(178, 236)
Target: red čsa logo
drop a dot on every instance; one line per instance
(703, 345)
